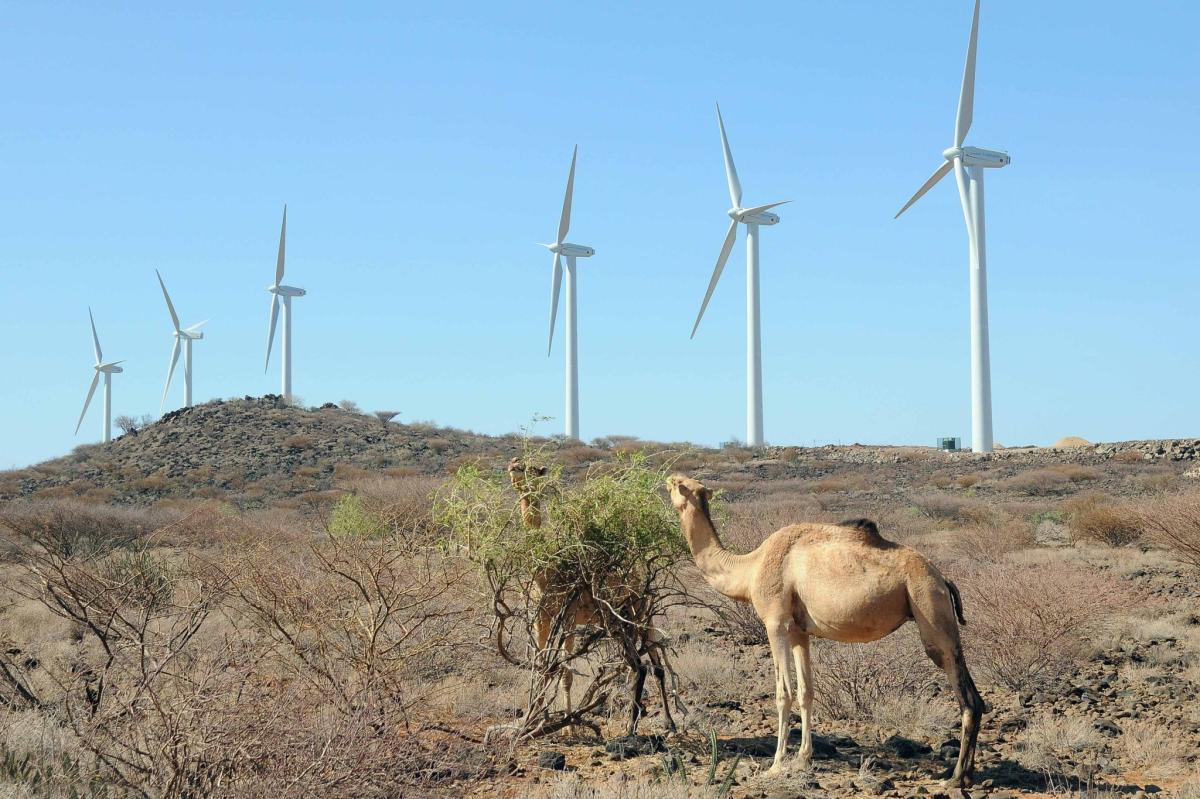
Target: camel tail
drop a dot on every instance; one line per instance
(956, 600)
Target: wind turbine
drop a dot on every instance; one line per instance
(279, 290)
(752, 218)
(183, 340)
(562, 249)
(968, 164)
(108, 370)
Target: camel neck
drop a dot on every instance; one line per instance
(531, 512)
(725, 571)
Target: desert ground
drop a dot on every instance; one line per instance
(247, 599)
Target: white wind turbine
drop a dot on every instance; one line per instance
(752, 218)
(560, 249)
(183, 340)
(279, 290)
(968, 164)
(108, 370)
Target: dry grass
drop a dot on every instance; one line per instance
(1156, 751)
(1054, 745)
(623, 786)
(855, 680)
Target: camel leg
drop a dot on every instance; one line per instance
(804, 686)
(777, 633)
(939, 632)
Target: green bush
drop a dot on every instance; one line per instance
(351, 519)
(613, 519)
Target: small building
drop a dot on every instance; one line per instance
(950, 444)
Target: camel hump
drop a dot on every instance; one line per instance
(865, 525)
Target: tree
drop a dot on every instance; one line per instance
(385, 416)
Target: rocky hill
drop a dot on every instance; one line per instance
(257, 450)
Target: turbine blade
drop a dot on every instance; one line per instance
(88, 401)
(95, 338)
(758, 209)
(937, 175)
(271, 332)
(282, 241)
(966, 98)
(564, 221)
(964, 197)
(196, 326)
(170, 305)
(735, 186)
(555, 282)
(716, 275)
(170, 372)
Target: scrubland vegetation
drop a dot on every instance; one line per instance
(342, 642)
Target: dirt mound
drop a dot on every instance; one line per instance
(1070, 442)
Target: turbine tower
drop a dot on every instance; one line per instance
(968, 164)
(562, 249)
(278, 290)
(183, 340)
(101, 368)
(752, 218)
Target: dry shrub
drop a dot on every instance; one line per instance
(1075, 472)
(297, 442)
(1028, 621)
(1174, 523)
(579, 455)
(1037, 482)
(946, 506)
(79, 528)
(965, 481)
(853, 680)
(1129, 456)
(835, 483)
(404, 506)
(1097, 517)
(991, 537)
(915, 715)
(1155, 481)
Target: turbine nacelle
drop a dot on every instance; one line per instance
(977, 156)
(286, 291)
(110, 368)
(570, 250)
(194, 335)
(752, 217)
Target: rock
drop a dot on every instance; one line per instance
(630, 746)
(1107, 727)
(906, 747)
(725, 704)
(555, 761)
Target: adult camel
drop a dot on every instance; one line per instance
(841, 582)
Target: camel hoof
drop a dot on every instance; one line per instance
(959, 783)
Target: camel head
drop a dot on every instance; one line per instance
(522, 473)
(685, 491)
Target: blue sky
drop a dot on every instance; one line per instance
(423, 151)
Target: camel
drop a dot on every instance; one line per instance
(839, 582)
(550, 590)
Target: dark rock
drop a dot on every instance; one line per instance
(1107, 727)
(555, 761)
(725, 704)
(906, 747)
(630, 746)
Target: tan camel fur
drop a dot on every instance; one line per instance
(549, 590)
(840, 582)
